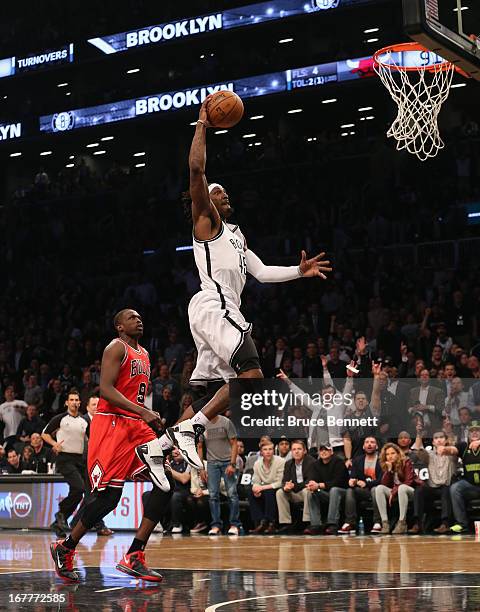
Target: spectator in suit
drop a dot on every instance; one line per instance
(462, 429)
(365, 475)
(449, 373)
(295, 477)
(429, 401)
(54, 399)
(274, 359)
(385, 405)
(312, 365)
(396, 387)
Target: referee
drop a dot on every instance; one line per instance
(69, 429)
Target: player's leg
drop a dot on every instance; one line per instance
(246, 364)
(199, 404)
(110, 455)
(133, 563)
(63, 552)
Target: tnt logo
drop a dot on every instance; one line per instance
(22, 505)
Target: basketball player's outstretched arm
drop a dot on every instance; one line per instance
(206, 220)
(111, 361)
(316, 266)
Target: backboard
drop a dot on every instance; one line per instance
(450, 28)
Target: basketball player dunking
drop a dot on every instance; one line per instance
(222, 336)
(119, 434)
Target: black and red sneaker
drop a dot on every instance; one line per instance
(63, 558)
(134, 565)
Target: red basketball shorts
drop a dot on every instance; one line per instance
(111, 450)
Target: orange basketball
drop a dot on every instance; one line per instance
(224, 109)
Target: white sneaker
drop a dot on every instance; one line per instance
(215, 531)
(233, 531)
(183, 437)
(377, 528)
(177, 529)
(158, 528)
(151, 454)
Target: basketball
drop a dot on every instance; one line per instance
(224, 109)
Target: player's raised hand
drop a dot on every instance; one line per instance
(203, 115)
(316, 266)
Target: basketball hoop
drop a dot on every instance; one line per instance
(419, 82)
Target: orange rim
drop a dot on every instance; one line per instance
(410, 46)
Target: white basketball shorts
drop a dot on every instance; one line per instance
(218, 333)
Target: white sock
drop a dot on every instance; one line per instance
(200, 419)
(165, 442)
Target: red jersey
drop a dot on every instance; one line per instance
(132, 381)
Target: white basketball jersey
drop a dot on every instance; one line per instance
(221, 264)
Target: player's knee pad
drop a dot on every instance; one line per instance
(246, 358)
(100, 505)
(157, 502)
(212, 388)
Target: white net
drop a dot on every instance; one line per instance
(419, 95)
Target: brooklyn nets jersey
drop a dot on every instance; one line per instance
(222, 265)
(217, 325)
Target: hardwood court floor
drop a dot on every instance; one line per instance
(297, 573)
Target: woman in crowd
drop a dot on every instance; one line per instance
(27, 457)
(398, 482)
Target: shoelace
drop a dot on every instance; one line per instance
(69, 557)
(138, 558)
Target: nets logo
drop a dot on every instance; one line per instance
(324, 5)
(61, 122)
(20, 504)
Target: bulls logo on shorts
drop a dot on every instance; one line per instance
(96, 474)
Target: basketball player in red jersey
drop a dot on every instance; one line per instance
(122, 430)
